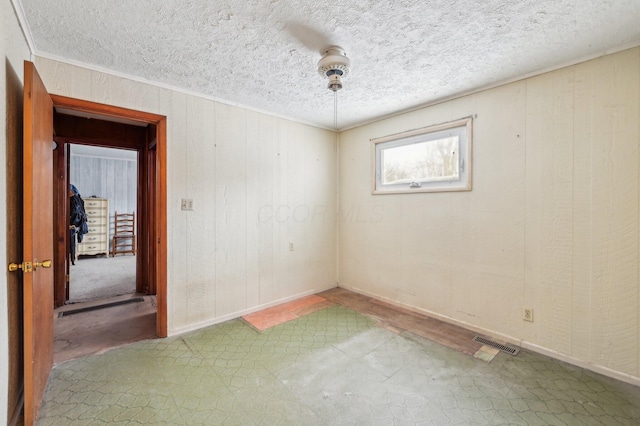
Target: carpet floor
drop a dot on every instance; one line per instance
(99, 277)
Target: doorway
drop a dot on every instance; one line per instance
(80, 126)
(106, 182)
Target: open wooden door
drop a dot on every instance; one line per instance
(37, 241)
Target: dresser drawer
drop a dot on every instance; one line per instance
(97, 229)
(92, 248)
(95, 212)
(96, 240)
(97, 221)
(95, 203)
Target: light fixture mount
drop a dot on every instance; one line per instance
(334, 65)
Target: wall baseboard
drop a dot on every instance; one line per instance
(605, 371)
(218, 320)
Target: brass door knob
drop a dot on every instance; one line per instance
(28, 266)
(43, 264)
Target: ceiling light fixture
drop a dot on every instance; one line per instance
(334, 65)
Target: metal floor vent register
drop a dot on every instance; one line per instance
(511, 350)
(103, 306)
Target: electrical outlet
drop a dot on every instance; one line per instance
(187, 204)
(527, 314)
(290, 246)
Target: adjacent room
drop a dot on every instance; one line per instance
(106, 178)
(415, 212)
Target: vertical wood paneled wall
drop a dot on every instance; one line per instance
(552, 222)
(258, 182)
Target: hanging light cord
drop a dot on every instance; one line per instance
(335, 110)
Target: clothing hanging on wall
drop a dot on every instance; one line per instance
(77, 220)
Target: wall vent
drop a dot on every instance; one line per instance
(511, 350)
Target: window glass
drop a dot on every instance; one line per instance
(435, 158)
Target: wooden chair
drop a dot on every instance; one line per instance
(124, 234)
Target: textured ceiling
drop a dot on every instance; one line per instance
(263, 53)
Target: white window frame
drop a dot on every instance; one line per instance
(461, 128)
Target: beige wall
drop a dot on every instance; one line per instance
(13, 51)
(551, 222)
(258, 183)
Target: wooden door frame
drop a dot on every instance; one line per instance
(151, 266)
(60, 224)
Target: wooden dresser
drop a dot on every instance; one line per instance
(96, 241)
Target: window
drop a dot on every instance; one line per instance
(432, 159)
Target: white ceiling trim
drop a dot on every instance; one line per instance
(101, 152)
(138, 79)
(24, 25)
(400, 112)
(501, 83)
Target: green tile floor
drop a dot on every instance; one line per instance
(331, 367)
